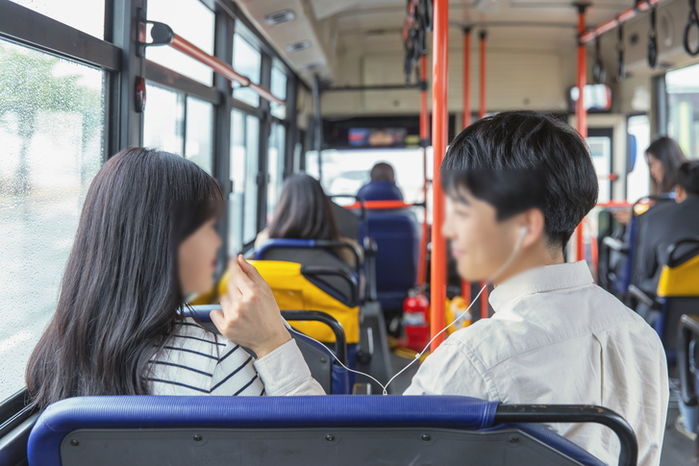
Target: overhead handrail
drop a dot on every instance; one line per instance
(618, 20)
(162, 34)
(692, 21)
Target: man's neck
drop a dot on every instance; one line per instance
(529, 260)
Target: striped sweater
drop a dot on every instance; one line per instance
(195, 361)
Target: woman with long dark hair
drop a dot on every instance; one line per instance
(304, 212)
(147, 239)
(664, 157)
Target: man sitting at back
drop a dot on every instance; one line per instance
(382, 186)
(666, 224)
(518, 184)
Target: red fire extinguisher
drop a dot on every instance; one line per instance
(416, 321)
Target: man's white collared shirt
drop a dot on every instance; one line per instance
(557, 338)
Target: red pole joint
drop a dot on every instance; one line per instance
(438, 289)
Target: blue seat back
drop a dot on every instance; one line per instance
(397, 236)
(380, 191)
(338, 430)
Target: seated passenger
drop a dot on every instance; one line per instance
(305, 212)
(664, 156)
(146, 240)
(666, 224)
(382, 186)
(518, 185)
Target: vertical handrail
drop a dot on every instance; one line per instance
(483, 37)
(466, 286)
(438, 289)
(581, 114)
(467, 77)
(424, 143)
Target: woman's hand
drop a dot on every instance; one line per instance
(250, 315)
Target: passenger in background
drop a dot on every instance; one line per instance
(382, 186)
(666, 224)
(305, 212)
(664, 157)
(147, 239)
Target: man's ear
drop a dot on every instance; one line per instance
(534, 222)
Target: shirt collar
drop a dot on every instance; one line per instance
(541, 280)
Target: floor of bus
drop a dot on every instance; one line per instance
(678, 449)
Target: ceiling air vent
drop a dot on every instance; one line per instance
(297, 46)
(280, 17)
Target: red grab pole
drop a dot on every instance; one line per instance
(467, 77)
(581, 114)
(438, 289)
(424, 142)
(485, 310)
(466, 286)
(481, 95)
(189, 49)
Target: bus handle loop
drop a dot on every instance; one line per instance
(692, 21)
(653, 39)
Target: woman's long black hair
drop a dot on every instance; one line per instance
(303, 211)
(121, 287)
(670, 155)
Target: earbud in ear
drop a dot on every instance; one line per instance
(523, 230)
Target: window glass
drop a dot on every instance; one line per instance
(199, 133)
(162, 120)
(245, 131)
(247, 61)
(682, 87)
(345, 171)
(193, 21)
(275, 162)
(87, 16)
(278, 90)
(51, 126)
(638, 179)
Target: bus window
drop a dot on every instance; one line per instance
(279, 90)
(638, 179)
(162, 119)
(244, 167)
(682, 87)
(51, 127)
(199, 131)
(247, 61)
(345, 171)
(85, 16)
(190, 19)
(277, 138)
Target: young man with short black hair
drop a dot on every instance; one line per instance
(518, 183)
